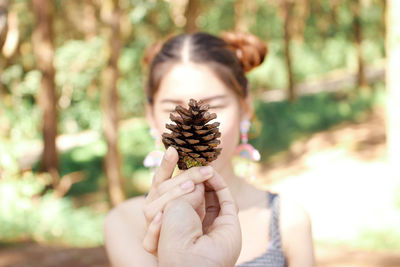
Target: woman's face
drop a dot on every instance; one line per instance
(188, 80)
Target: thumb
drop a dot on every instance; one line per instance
(181, 225)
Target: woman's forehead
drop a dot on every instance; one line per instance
(185, 81)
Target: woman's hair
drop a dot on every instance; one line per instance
(229, 57)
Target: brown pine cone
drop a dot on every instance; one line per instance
(194, 139)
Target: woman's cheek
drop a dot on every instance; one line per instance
(229, 129)
(162, 119)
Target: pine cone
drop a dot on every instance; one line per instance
(194, 139)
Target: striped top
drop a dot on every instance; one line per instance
(274, 256)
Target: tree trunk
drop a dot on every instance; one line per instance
(191, 14)
(3, 35)
(334, 11)
(240, 15)
(393, 84)
(44, 52)
(11, 42)
(287, 10)
(357, 29)
(110, 109)
(3, 21)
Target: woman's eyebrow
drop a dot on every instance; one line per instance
(173, 101)
(208, 99)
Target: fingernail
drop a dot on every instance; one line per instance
(207, 171)
(157, 219)
(168, 153)
(187, 185)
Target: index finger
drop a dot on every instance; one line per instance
(167, 166)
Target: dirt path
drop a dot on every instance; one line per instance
(340, 257)
(33, 255)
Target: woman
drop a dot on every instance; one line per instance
(273, 231)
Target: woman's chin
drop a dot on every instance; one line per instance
(216, 166)
(219, 165)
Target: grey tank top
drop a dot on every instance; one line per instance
(274, 256)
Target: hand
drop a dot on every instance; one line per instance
(182, 239)
(164, 190)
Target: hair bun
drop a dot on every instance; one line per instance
(250, 50)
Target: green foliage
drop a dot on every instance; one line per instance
(272, 73)
(216, 19)
(134, 142)
(140, 9)
(89, 160)
(25, 215)
(79, 64)
(271, 30)
(131, 83)
(21, 117)
(283, 122)
(8, 163)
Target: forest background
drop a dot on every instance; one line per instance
(72, 130)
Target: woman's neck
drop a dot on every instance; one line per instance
(245, 194)
(236, 185)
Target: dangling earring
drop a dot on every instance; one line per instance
(153, 159)
(245, 154)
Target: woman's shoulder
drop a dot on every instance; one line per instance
(293, 215)
(296, 233)
(129, 212)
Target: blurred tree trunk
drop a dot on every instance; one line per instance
(383, 5)
(191, 14)
(42, 39)
(110, 107)
(11, 43)
(245, 14)
(393, 83)
(355, 6)
(300, 13)
(240, 15)
(89, 21)
(3, 35)
(287, 7)
(334, 11)
(3, 21)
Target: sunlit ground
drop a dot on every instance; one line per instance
(343, 180)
